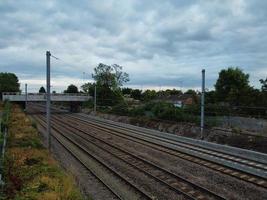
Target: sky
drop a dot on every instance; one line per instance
(160, 44)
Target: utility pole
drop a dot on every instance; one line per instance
(83, 77)
(26, 96)
(48, 103)
(202, 103)
(95, 101)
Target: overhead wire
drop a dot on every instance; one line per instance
(69, 64)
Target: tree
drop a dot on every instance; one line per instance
(110, 76)
(263, 95)
(71, 89)
(88, 88)
(232, 86)
(8, 83)
(264, 85)
(194, 94)
(210, 97)
(148, 95)
(126, 91)
(175, 92)
(136, 94)
(42, 90)
(190, 91)
(109, 79)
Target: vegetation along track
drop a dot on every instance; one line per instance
(173, 181)
(185, 151)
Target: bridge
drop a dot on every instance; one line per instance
(40, 97)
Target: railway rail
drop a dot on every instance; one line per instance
(173, 181)
(246, 169)
(239, 168)
(84, 156)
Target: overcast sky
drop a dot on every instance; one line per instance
(159, 43)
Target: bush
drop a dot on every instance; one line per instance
(120, 109)
(5, 115)
(158, 110)
(29, 170)
(88, 104)
(138, 111)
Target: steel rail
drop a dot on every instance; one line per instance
(240, 174)
(78, 146)
(191, 194)
(242, 155)
(229, 170)
(214, 152)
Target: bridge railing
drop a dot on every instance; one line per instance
(52, 94)
(16, 96)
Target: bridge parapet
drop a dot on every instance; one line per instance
(39, 97)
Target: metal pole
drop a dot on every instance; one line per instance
(26, 97)
(48, 125)
(202, 103)
(83, 77)
(95, 100)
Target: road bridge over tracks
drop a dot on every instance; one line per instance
(40, 97)
(74, 99)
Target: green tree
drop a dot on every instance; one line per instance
(88, 88)
(149, 95)
(232, 86)
(109, 79)
(42, 90)
(264, 85)
(8, 83)
(194, 94)
(175, 92)
(168, 92)
(210, 97)
(126, 91)
(190, 91)
(136, 94)
(71, 89)
(263, 95)
(110, 76)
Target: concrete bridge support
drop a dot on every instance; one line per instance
(75, 106)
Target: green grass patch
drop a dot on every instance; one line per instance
(29, 170)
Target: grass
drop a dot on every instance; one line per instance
(30, 172)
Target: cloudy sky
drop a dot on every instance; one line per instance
(159, 43)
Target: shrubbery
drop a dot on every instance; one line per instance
(88, 104)
(120, 109)
(155, 110)
(5, 115)
(29, 170)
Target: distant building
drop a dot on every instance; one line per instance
(130, 100)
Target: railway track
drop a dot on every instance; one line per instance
(171, 180)
(192, 156)
(80, 126)
(98, 168)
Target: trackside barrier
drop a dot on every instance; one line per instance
(243, 153)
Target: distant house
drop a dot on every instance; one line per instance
(178, 100)
(130, 100)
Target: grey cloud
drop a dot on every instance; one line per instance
(149, 38)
